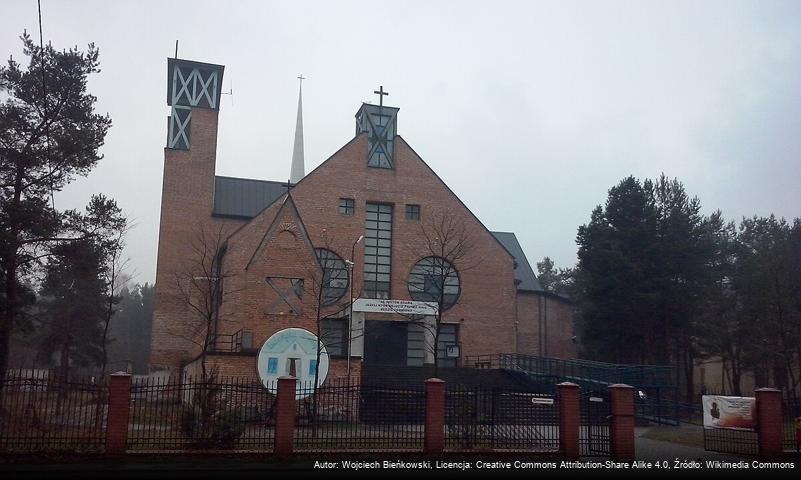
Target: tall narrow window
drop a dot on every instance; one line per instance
(334, 334)
(377, 250)
(448, 337)
(415, 345)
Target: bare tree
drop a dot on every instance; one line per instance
(116, 279)
(328, 283)
(201, 284)
(447, 250)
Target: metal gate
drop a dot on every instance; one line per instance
(594, 430)
(479, 418)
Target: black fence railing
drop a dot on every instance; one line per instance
(349, 417)
(582, 372)
(40, 412)
(791, 411)
(240, 341)
(483, 418)
(648, 411)
(595, 420)
(187, 413)
(729, 440)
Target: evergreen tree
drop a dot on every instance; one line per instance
(50, 134)
(72, 307)
(614, 275)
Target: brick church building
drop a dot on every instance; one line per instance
(241, 259)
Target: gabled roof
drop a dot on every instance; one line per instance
(244, 197)
(524, 273)
(287, 205)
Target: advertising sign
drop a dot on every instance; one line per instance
(292, 352)
(403, 307)
(729, 412)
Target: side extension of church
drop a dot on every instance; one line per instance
(363, 212)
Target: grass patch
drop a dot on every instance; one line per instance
(693, 437)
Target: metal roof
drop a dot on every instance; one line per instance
(523, 272)
(244, 197)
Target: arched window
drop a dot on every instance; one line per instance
(432, 277)
(335, 275)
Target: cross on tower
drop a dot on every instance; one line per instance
(380, 92)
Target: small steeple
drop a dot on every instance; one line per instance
(380, 123)
(298, 170)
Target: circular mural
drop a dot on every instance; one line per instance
(292, 352)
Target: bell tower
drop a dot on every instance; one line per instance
(187, 194)
(189, 85)
(381, 125)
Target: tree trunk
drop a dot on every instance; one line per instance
(689, 376)
(736, 372)
(10, 310)
(8, 318)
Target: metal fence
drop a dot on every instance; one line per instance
(595, 420)
(729, 440)
(349, 417)
(175, 414)
(42, 413)
(791, 410)
(581, 371)
(480, 418)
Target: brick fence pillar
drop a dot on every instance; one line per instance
(621, 423)
(569, 419)
(769, 422)
(435, 416)
(119, 398)
(285, 416)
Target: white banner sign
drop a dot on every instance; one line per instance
(728, 412)
(403, 307)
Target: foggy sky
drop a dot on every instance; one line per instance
(529, 111)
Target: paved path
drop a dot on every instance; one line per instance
(652, 450)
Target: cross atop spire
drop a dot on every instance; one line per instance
(380, 92)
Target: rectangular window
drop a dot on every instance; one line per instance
(412, 212)
(334, 335)
(272, 366)
(378, 250)
(380, 143)
(416, 345)
(448, 335)
(346, 206)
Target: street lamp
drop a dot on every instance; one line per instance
(350, 309)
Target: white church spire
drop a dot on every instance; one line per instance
(298, 170)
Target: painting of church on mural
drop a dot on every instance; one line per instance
(364, 215)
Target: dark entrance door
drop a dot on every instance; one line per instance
(385, 343)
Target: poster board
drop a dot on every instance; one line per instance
(737, 413)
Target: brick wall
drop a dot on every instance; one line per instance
(545, 326)
(487, 298)
(557, 321)
(186, 207)
(280, 242)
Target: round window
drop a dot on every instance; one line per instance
(335, 275)
(434, 279)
